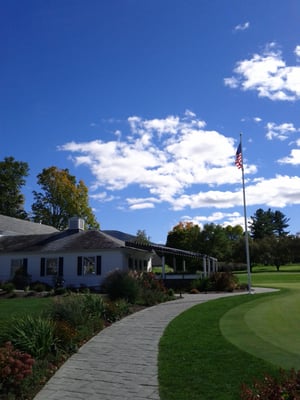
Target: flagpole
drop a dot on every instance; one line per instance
(245, 220)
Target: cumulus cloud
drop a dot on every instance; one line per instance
(293, 158)
(163, 156)
(281, 131)
(177, 161)
(297, 51)
(275, 192)
(218, 218)
(268, 75)
(242, 27)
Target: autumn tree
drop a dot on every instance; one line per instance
(61, 198)
(12, 178)
(184, 236)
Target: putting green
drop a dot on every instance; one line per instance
(268, 327)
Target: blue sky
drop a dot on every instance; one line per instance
(145, 100)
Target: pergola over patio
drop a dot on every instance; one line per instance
(210, 264)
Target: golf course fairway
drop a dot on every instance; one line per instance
(268, 327)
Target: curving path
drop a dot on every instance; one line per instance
(120, 363)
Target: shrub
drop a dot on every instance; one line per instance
(70, 309)
(202, 284)
(285, 386)
(150, 297)
(21, 279)
(224, 281)
(121, 285)
(8, 287)
(82, 312)
(33, 334)
(93, 305)
(38, 287)
(66, 336)
(148, 280)
(114, 311)
(218, 281)
(15, 367)
(60, 291)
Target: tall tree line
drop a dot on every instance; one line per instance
(269, 241)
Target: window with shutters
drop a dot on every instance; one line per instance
(89, 265)
(15, 265)
(51, 266)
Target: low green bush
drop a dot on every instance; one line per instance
(121, 285)
(8, 287)
(38, 287)
(32, 334)
(114, 311)
(218, 281)
(69, 308)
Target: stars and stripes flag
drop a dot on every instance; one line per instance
(238, 157)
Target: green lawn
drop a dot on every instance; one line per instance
(10, 308)
(207, 352)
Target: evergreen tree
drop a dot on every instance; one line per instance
(268, 223)
(12, 178)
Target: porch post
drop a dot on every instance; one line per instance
(163, 266)
(204, 267)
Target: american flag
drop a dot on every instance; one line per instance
(238, 157)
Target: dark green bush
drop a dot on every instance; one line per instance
(21, 279)
(8, 287)
(114, 311)
(38, 287)
(70, 309)
(218, 281)
(202, 284)
(121, 285)
(223, 281)
(32, 334)
(150, 297)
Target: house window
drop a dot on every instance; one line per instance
(51, 265)
(15, 265)
(89, 265)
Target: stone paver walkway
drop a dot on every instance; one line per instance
(120, 363)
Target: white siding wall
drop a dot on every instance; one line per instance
(110, 261)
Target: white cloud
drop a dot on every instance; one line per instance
(218, 218)
(177, 162)
(242, 27)
(257, 119)
(281, 132)
(275, 192)
(268, 74)
(297, 51)
(102, 197)
(141, 206)
(164, 157)
(293, 159)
